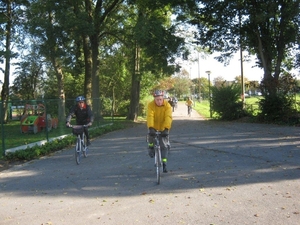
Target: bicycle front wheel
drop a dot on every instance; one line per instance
(158, 164)
(84, 147)
(78, 151)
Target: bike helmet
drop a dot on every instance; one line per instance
(80, 98)
(158, 93)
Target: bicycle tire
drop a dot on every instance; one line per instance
(158, 164)
(78, 151)
(84, 147)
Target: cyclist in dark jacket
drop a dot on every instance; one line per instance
(84, 115)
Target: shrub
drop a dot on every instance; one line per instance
(277, 108)
(226, 102)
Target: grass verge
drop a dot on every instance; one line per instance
(50, 147)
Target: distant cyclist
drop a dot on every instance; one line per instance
(84, 115)
(189, 103)
(159, 118)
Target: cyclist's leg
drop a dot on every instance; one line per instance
(169, 144)
(151, 146)
(86, 132)
(164, 152)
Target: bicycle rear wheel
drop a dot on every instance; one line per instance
(158, 164)
(78, 151)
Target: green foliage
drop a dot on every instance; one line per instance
(226, 102)
(59, 144)
(225, 26)
(38, 151)
(277, 108)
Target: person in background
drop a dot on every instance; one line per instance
(172, 103)
(159, 118)
(189, 103)
(84, 115)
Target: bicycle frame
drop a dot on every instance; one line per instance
(80, 146)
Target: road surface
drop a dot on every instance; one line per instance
(219, 173)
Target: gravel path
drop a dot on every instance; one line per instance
(219, 173)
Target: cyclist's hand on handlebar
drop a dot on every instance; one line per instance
(89, 124)
(68, 124)
(165, 133)
(152, 131)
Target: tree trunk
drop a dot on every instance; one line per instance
(88, 69)
(135, 87)
(5, 86)
(269, 83)
(95, 77)
(58, 72)
(61, 91)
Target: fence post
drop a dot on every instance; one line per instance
(46, 122)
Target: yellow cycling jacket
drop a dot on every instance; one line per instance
(159, 117)
(189, 102)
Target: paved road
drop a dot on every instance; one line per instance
(219, 173)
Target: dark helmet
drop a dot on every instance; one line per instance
(80, 98)
(158, 93)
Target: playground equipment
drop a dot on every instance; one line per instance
(34, 119)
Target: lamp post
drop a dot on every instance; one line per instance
(1, 83)
(208, 74)
(199, 81)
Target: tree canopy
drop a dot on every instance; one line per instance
(121, 49)
(267, 29)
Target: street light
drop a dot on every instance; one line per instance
(199, 82)
(208, 74)
(1, 83)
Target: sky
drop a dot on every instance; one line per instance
(228, 72)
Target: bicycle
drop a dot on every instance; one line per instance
(157, 157)
(81, 146)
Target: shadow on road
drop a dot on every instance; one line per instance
(204, 154)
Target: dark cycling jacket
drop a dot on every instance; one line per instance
(83, 116)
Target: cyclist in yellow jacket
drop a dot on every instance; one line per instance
(189, 103)
(159, 118)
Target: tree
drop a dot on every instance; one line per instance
(268, 29)
(29, 72)
(154, 48)
(219, 81)
(182, 83)
(50, 35)
(10, 17)
(100, 19)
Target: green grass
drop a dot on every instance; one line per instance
(14, 138)
(251, 105)
(202, 108)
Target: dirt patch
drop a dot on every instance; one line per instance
(5, 165)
